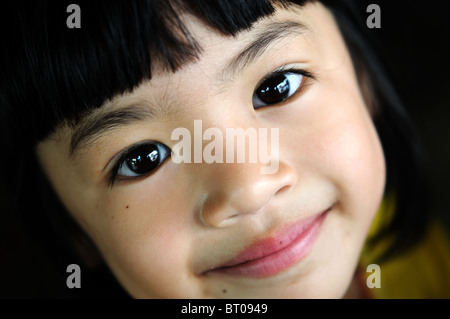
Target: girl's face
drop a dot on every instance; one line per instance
(225, 229)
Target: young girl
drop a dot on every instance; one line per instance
(88, 119)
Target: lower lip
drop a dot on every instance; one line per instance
(280, 260)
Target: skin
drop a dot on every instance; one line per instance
(159, 234)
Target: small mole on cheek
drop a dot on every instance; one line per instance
(224, 291)
(128, 206)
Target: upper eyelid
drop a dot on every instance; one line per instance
(286, 69)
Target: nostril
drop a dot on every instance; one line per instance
(283, 189)
(233, 216)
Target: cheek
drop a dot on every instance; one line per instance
(354, 161)
(354, 156)
(144, 238)
(332, 138)
(148, 266)
(333, 142)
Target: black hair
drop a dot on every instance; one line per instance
(52, 75)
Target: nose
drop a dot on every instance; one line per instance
(234, 190)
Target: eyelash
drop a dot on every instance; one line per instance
(288, 69)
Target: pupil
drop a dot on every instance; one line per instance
(274, 90)
(144, 159)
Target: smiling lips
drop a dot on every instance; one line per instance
(272, 255)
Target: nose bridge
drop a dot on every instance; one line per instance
(239, 184)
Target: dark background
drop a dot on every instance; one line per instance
(415, 38)
(417, 46)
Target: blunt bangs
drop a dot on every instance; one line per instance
(68, 72)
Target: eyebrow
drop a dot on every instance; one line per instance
(266, 36)
(98, 123)
(95, 125)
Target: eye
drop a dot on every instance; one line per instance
(277, 87)
(142, 159)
